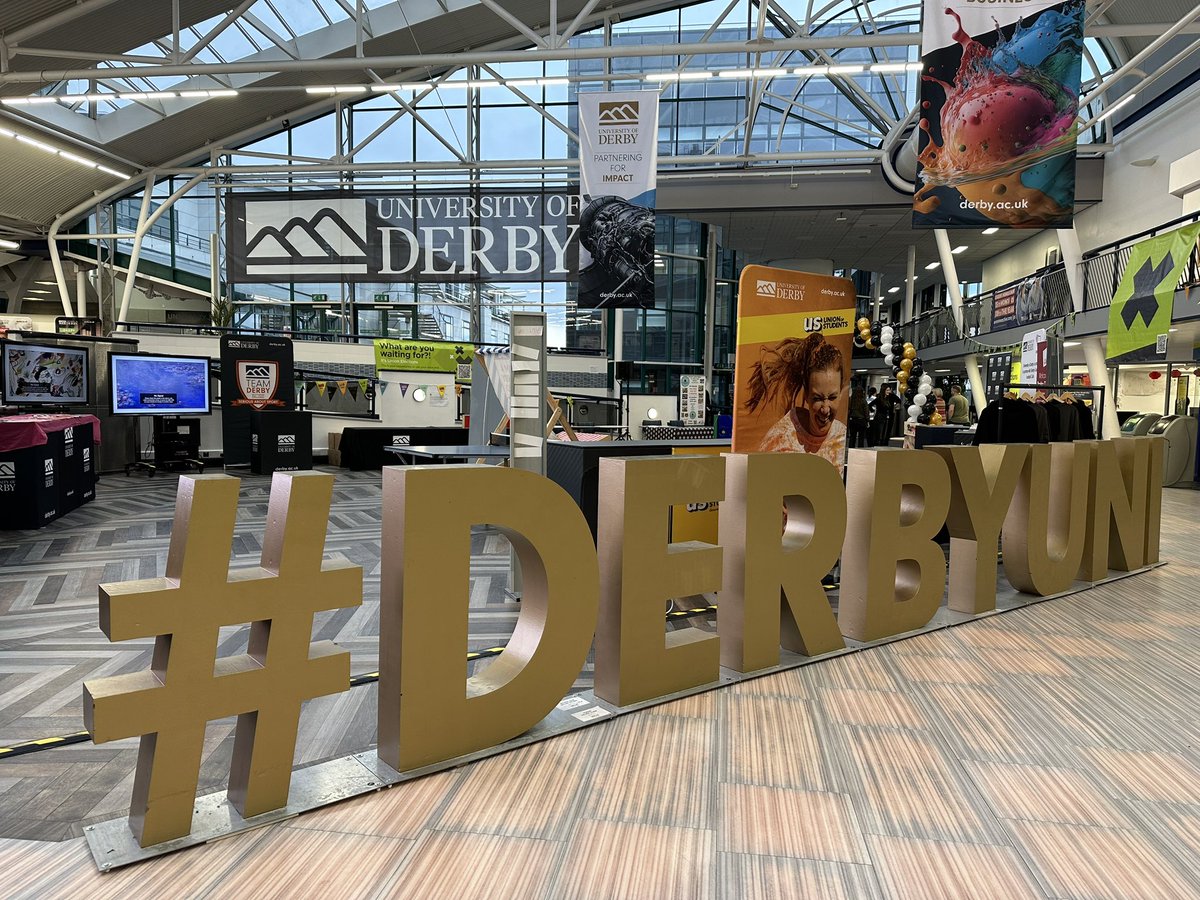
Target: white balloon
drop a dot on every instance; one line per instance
(925, 389)
(914, 411)
(886, 334)
(926, 379)
(919, 400)
(890, 359)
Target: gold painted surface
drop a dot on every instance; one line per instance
(428, 512)
(1116, 513)
(1154, 497)
(893, 572)
(187, 686)
(1043, 537)
(761, 565)
(982, 482)
(639, 571)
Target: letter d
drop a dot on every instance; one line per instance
(429, 710)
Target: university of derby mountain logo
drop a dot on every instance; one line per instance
(8, 477)
(766, 288)
(287, 443)
(257, 380)
(306, 237)
(624, 112)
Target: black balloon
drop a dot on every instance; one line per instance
(917, 369)
(895, 370)
(876, 328)
(923, 418)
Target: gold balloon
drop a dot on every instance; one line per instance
(864, 324)
(910, 352)
(906, 364)
(937, 419)
(869, 343)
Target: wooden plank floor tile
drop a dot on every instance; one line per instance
(1080, 861)
(883, 709)
(779, 822)
(635, 862)
(742, 876)
(1149, 775)
(1044, 794)
(454, 865)
(773, 741)
(401, 811)
(938, 870)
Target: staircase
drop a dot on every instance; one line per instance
(428, 327)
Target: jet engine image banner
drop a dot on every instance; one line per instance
(618, 171)
(999, 100)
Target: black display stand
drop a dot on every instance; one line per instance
(40, 484)
(362, 447)
(280, 441)
(176, 446)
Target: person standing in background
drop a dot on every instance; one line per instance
(960, 413)
(859, 419)
(939, 403)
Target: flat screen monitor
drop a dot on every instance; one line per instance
(44, 375)
(158, 385)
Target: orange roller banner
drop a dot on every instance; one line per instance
(795, 334)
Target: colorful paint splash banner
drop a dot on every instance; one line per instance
(999, 104)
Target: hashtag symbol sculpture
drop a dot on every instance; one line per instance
(187, 686)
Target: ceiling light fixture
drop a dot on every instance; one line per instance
(753, 73)
(991, 230)
(893, 290)
(933, 265)
(959, 249)
(889, 67)
(1071, 343)
(677, 76)
(845, 70)
(65, 154)
(811, 70)
(336, 89)
(9, 245)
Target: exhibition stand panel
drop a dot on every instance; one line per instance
(280, 441)
(47, 467)
(364, 448)
(575, 465)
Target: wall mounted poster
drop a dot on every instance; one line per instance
(618, 166)
(792, 369)
(999, 100)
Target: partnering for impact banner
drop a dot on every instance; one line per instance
(618, 175)
(452, 235)
(791, 375)
(999, 100)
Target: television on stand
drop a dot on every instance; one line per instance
(42, 375)
(171, 389)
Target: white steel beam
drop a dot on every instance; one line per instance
(521, 27)
(217, 30)
(49, 23)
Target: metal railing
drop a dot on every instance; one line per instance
(1045, 295)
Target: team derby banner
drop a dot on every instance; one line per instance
(618, 161)
(426, 235)
(999, 101)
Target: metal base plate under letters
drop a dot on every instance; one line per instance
(113, 844)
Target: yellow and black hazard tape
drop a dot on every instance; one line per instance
(77, 737)
(80, 737)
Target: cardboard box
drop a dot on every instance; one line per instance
(335, 453)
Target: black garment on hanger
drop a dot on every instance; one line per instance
(1009, 421)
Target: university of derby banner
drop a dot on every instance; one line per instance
(425, 356)
(999, 100)
(256, 373)
(795, 336)
(618, 164)
(1035, 357)
(1139, 319)
(452, 235)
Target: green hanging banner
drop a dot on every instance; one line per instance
(1139, 319)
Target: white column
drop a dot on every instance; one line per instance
(950, 270)
(80, 292)
(1093, 350)
(910, 285)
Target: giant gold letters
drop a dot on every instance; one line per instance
(1154, 483)
(893, 573)
(639, 572)
(426, 712)
(982, 482)
(1116, 520)
(760, 563)
(1044, 529)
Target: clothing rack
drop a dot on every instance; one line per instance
(1097, 402)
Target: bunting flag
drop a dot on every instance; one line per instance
(403, 385)
(321, 387)
(1139, 319)
(383, 386)
(353, 388)
(458, 390)
(441, 390)
(342, 386)
(363, 385)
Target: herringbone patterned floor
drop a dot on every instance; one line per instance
(1052, 751)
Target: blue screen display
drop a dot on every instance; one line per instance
(160, 385)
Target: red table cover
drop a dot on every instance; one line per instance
(20, 432)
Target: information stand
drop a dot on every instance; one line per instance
(47, 467)
(280, 441)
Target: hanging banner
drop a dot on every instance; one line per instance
(425, 356)
(448, 235)
(1139, 319)
(999, 100)
(257, 373)
(1035, 346)
(792, 369)
(618, 164)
